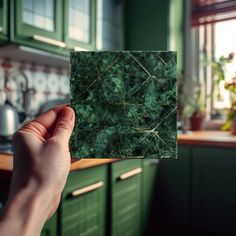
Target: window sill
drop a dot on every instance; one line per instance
(214, 124)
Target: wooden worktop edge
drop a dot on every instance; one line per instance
(6, 163)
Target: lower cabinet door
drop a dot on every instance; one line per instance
(83, 205)
(149, 183)
(126, 198)
(50, 228)
(213, 190)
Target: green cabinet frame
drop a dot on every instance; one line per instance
(4, 7)
(83, 205)
(57, 41)
(73, 44)
(126, 198)
(214, 192)
(32, 36)
(173, 186)
(149, 177)
(25, 30)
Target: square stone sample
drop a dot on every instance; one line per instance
(125, 104)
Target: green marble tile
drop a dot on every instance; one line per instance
(125, 104)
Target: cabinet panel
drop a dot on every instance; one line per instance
(149, 178)
(83, 206)
(39, 14)
(3, 20)
(126, 198)
(80, 23)
(214, 193)
(173, 187)
(39, 23)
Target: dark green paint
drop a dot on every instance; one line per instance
(22, 33)
(26, 31)
(125, 104)
(84, 214)
(125, 199)
(149, 177)
(74, 43)
(173, 189)
(146, 25)
(4, 6)
(213, 190)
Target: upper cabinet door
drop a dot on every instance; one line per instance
(39, 20)
(80, 24)
(3, 19)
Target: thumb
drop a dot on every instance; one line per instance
(64, 125)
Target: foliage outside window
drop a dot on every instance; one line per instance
(214, 25)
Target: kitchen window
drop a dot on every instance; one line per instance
(214, 26)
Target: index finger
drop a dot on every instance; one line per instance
(44, 124)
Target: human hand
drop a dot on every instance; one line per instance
(41, 164)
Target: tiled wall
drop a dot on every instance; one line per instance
(41, 84)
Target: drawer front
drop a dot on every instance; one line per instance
(83, 208)
(126, 197)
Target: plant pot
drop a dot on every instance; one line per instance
(233, 127)
(197, 122)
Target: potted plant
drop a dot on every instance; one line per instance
(230, 123)
(219, 67)
(195, 108)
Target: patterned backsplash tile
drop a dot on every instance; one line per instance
(37, 83)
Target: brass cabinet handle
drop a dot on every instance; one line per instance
(49, 41)
(87, 189)
(130, 173)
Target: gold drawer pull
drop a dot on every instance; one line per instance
(49, 41)
(130, 173)
(87, 189)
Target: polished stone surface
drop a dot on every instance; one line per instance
(125, 104)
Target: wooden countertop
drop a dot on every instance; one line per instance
(6, 163)
(201, 138)
(208, 138)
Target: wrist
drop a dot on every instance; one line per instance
(26, 212)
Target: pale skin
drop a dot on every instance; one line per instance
(41, 166)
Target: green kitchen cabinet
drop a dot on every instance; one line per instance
(83, 205)
(38, 23)
(50, 228)
(80, 24)
(150, 168)
(4, 6)
(55, 25)
(125, 198)
(213, 189)
(173, 189)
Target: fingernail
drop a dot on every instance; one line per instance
(68, 113)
